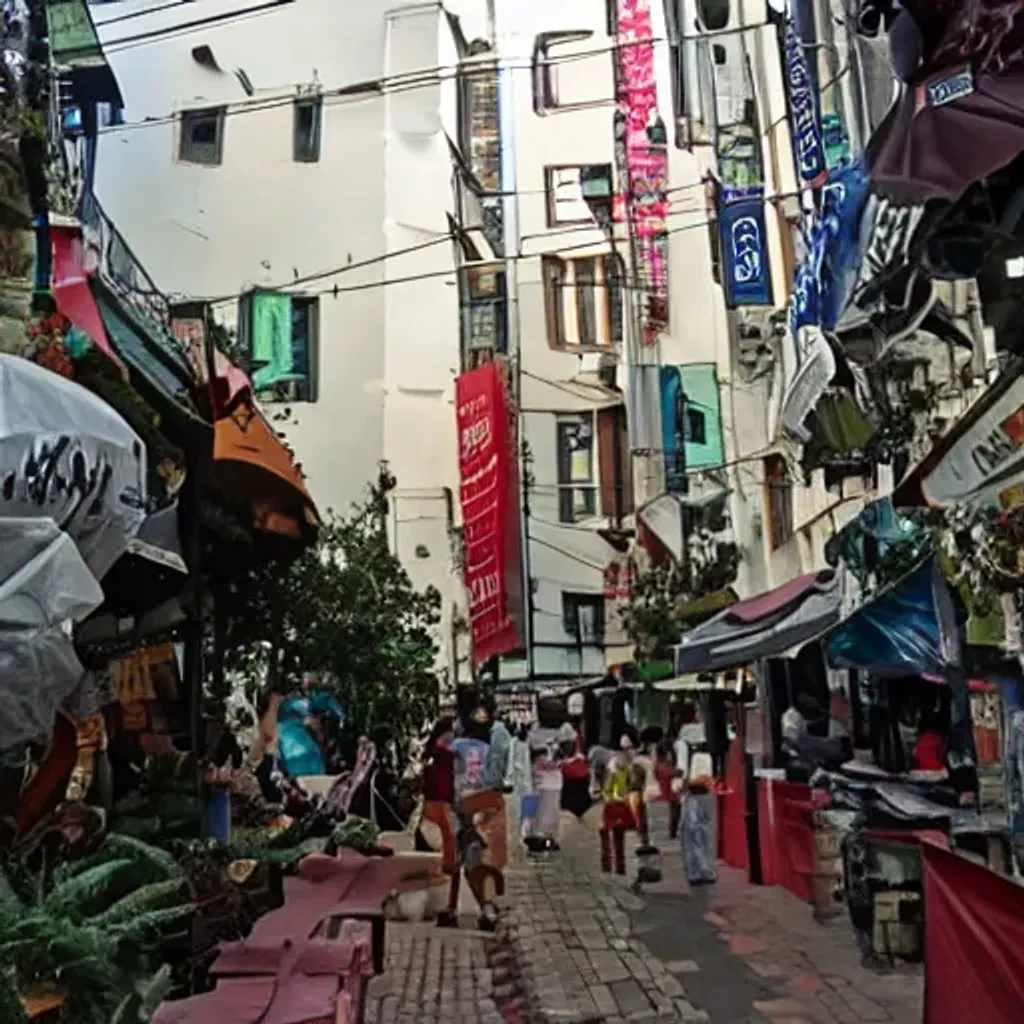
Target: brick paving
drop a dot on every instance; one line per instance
(579, 947)
(440, 976)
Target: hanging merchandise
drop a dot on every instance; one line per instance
(962, 116)
(747, 271)
(641, 147)
(846, 238)
(804, 110)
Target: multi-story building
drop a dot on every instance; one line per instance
(571, 328)
(731, 110)
(298, 172)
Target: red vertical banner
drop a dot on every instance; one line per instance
(488, 497)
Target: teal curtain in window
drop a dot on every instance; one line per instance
(271, 339)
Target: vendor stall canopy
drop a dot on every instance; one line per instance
(768, 626)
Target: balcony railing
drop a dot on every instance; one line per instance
(119, 268)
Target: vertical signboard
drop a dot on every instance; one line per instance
(490, 512)
(746, 268)
(641, 144)
(804, 115)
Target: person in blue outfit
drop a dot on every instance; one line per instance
(303, 722)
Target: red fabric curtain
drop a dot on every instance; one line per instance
(974, 942)
(732, 810)
(786, 835)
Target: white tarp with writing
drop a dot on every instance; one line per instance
(983, 460)
(66, 455)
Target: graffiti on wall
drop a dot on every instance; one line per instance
(641, 149)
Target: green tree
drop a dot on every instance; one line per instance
(666, 600)
(345, 609)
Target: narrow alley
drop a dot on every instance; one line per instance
(576, 946)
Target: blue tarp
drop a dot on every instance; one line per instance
(896, 634)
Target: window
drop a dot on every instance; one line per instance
(483, 309)
(306, 141)
(583, 301)
(202, 136)
(696, 426)
(779, 500)
(713, 14)
(583, 617)
(553, 271)
(565, 66)
(577, 489)
(586, 300)
(280, 336)
(564, 190)
(479, 122)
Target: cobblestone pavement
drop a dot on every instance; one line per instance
(579, 947)
(440, 976)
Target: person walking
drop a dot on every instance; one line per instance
(481, 810)
(669, 786)
(697, 838)
(438, 814)
(575, 797)
(618, 817)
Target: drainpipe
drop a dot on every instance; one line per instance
(513, 245)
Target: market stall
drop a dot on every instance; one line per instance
(775, 626)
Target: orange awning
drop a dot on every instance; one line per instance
(253, 467)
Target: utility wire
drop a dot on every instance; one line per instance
(188, 27)
(386, 85)
(441, 240)
(137, 14)
(432, 274)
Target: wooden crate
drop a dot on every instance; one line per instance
(897, 928)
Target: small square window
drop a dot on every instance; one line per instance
(583, 617)
(696, 427)
(565, 202)
(308, 118)
(202, 136)
(577, 487)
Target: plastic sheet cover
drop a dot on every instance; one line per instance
(67, 456)
(45, 586)
(974, 942)
(896, 634)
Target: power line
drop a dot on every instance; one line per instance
(428, 275)
(186, 28)
(138, 14)
(386, 85)
(566, 554)
(440, 240)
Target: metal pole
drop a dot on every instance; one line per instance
(513, 245)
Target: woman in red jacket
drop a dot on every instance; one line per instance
(439, 810)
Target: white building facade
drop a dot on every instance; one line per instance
(595, 405)
(299, 163)
(570, 325)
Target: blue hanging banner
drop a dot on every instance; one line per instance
(747, 273)
(825, 276)
(804, 113)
